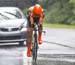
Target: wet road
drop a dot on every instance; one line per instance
(11, 55)
(48, 53)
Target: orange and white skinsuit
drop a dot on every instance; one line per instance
(32, 13)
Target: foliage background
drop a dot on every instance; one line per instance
(59, 11)
(56, 11)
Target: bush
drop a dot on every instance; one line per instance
(71, 21)
(55, 14)
(58, 11)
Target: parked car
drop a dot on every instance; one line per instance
(13, 25)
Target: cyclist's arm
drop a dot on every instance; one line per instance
(31, 19)
(41, 19)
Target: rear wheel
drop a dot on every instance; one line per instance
(21, 43)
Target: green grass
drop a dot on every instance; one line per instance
(59, 26)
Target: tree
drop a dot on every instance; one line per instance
(58, 11)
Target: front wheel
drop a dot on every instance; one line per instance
(34, 48)
(21, 43)
(34, 54)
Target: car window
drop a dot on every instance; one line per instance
(11, 14)
(18, 14)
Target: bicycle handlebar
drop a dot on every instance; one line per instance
(44, 32)
(36, 28)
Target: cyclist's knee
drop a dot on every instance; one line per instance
(29, 35)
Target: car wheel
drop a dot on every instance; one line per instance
(21, 43)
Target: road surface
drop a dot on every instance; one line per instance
(49, 53)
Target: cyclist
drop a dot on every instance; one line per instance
(35, 14)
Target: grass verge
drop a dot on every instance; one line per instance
(59, 26)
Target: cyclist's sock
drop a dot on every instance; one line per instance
(28, 50)
(40, 38)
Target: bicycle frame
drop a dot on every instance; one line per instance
(34, 43)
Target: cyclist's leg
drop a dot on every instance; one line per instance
(28, 25)
(29, 38)
(40, 34)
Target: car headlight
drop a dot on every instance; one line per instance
(24, 26)
(23, 29)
